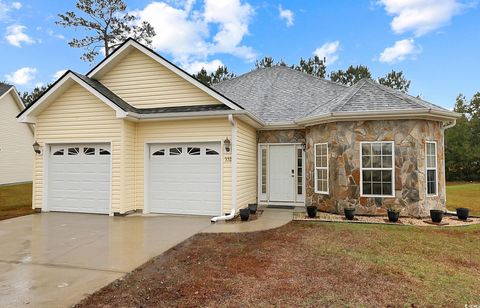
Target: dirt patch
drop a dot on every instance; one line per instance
(308, 264)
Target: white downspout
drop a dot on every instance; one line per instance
(234, 173)
(445, 127)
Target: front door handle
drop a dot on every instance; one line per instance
(293, 173)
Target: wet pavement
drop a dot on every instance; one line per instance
(55, 259)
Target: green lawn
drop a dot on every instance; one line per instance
(15, 200)
(464, 195)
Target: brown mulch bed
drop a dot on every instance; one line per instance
(308, 264)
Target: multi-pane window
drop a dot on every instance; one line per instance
(321, 168)
(299, 171)
(264, 171)
(431, 161)
(377, 169)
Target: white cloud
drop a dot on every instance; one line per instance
(5, 9)
(15, 35)
(286, 15)
(399, 51)
(421, 16)
(55, 35)
(22, 76)
(329, 50)
(58, 74)
(191, 35)
(196, 66)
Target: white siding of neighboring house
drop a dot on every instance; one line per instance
(16, 139)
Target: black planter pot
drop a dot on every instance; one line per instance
(245, 214)
(349, 213)
(393, 216)
(436, 215)
(462, 213)
(312, 211)
(253, 208)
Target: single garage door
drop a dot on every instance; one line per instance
(185, 178)
(79, 178)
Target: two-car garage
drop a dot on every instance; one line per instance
(183, 178)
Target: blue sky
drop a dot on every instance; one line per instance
(436, 43)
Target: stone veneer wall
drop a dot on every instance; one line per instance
(281, 136)
(344, 165)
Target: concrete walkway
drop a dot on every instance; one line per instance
(270, 219)
(55, 259)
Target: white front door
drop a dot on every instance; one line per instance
(282, 173)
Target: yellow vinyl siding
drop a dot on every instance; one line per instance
(145, 83)
(202, 130)
(16, 139)
(77, 116)
(246, 164)
(128, 166)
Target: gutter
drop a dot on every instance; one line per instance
(233, 211)
(393, 114)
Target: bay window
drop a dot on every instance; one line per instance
(377, 169)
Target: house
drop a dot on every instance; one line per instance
(16, 139)
(139, 133)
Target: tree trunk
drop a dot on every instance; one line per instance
(105, 42)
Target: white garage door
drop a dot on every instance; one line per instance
(79, 178)
(185, 178)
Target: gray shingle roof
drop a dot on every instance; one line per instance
(4, 88)
(283, 95)
(368, 95)
(279, 94)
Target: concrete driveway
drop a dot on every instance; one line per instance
(55, 259)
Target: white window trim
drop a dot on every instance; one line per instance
(427, 169)
(321, 168)
(373, 169)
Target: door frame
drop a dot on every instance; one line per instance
(266, 200)
(45, 172)
(146, 169)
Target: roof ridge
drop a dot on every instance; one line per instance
(349, 96)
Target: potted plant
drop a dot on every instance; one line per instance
(436, 215)
(253, 208)
(462, 213)
(349, 213)
(244, 214)
(312, 211)
(393, 214)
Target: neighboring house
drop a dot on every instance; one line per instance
(138, 133)
(16, 139)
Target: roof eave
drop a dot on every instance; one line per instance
(245, 115)
(431, 114)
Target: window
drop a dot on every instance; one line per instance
(321, 168)
(159, 153)
(264, 171)
(377, 169)
(59, 152)
(175, 151)
(89, 151)
(431, 157)
(299, 172)
(193, 151)
(211, 152)
(73, 151)
(104, 152)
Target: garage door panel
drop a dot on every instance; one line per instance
(185, 183)
(81, 182)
